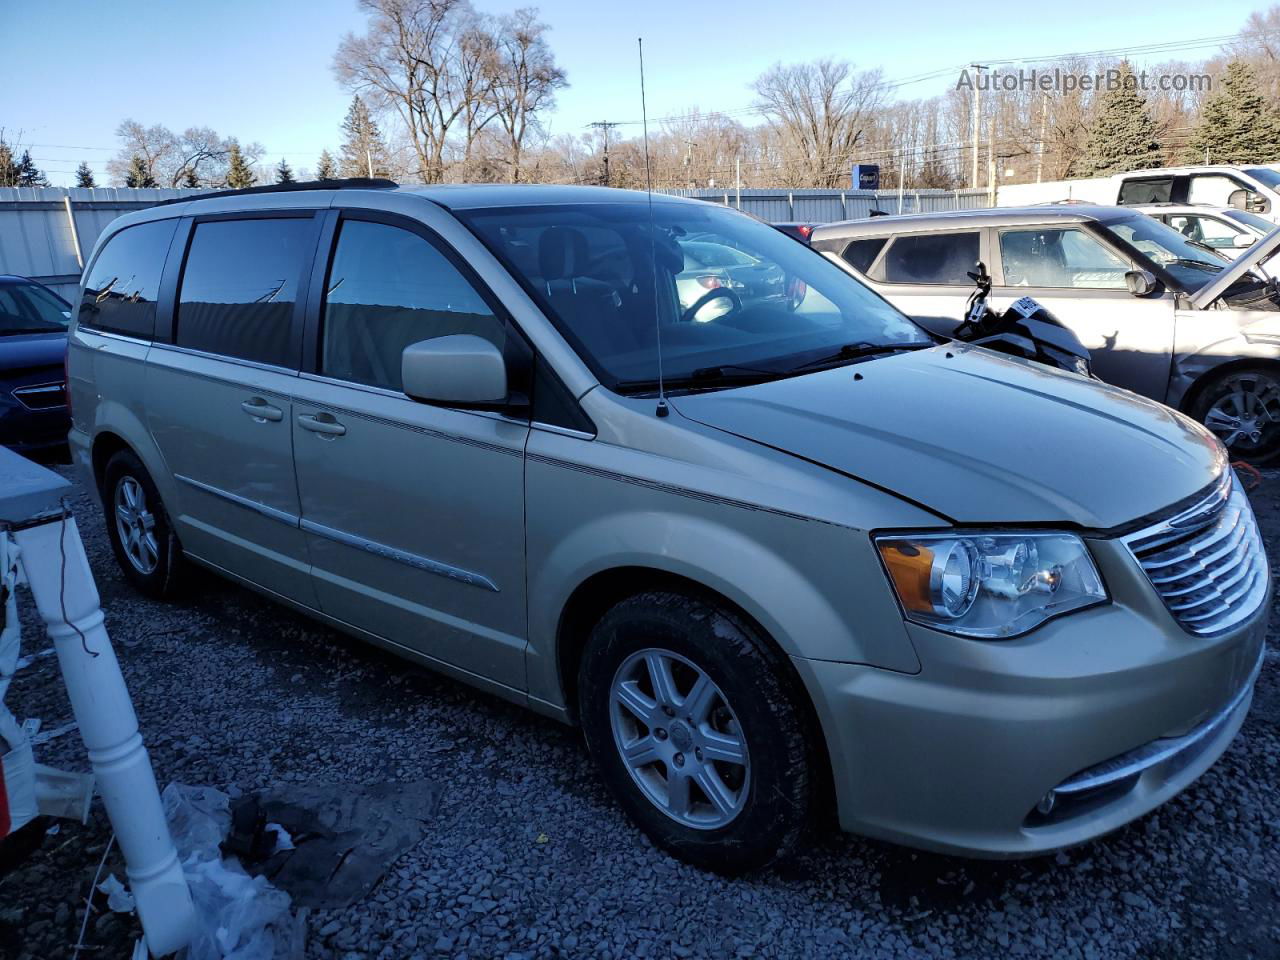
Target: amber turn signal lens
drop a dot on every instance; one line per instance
(910, 566)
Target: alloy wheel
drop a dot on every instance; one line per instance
(1246, 417)
(136, 525)
(679, 739)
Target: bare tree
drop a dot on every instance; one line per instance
(820, 112)
(424, 60)
(525, 79)
(197, 157)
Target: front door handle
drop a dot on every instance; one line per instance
(262, 411)
(321, 423)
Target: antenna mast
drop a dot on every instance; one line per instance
(662, 410)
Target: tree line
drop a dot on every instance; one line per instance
(442, 92)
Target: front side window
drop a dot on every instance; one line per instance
(935, 258)
(389, 288)
(1152, 190)
(1059, 257)
(239, 287)
(726, 293)
(122, 285)
(1207, 230)
(1260, 225)
(1214, 189)
(1189, 263)
(27, 308)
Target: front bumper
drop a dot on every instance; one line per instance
(1115, 709)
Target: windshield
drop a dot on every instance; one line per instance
(29, 308)
(729, 292)
(1265, 175)
(1190, 264)
(1261, 224)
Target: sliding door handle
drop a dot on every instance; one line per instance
(321, 423)
(262, 411)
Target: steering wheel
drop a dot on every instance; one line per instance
(734, 300)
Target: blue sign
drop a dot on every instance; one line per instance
(865, 176)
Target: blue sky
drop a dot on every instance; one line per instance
(72, 69)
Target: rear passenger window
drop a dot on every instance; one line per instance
(389, 288)
(239, 286)
(122, 285)
(932, 258)
(1155, 190)
(862, 253)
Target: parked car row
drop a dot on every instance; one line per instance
(651, 467)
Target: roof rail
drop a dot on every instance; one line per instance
(347, 183)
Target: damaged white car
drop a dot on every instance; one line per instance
(1161, 314)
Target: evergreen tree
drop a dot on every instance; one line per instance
(239, 174)
(138, 175)
(284, 172)
(362, 146)
(29, 175)
(326, 169)
(1237, 125)
(84, 176)
(1123, 135)
(190, 180)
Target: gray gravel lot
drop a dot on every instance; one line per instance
(528, 857)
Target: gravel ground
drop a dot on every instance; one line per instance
(528, 857)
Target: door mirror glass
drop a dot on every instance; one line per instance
(458, 370)
(1140, 282)
(1243, 240)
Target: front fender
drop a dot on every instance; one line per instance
(816, 588)
(1211, 339)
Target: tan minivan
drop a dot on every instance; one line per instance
(768, 550)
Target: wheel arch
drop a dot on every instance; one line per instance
(1202, 379)
(603, 590)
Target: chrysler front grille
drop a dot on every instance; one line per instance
(1207, 562)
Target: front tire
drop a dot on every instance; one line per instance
(695, 725)
(138, 526)
(1242, 407)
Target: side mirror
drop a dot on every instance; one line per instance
(1140, 282)
(1239, 199)
(461, 369)
(1243, 240)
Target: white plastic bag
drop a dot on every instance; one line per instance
(238, 917)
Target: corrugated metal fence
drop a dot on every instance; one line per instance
(45, 232)
(824, 206)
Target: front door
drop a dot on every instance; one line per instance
(1081, 281)
(413, 513)
(218, 397)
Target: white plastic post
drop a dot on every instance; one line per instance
(58, 574)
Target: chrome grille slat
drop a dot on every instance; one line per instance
(1207, 562)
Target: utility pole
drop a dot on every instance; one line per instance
(688, 162)
(1044, 117)
(737, 175)
(605, 127)
(977, 120)
(368, 159)
(991, 162)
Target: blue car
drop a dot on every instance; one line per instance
(33, 391)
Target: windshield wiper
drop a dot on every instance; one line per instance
(861, 349)
(722, 375)
(1197, 264)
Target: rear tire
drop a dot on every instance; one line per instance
(696, 727)
(138, 526)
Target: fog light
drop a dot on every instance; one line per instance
(1045, 806)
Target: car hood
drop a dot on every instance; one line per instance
(978, 437)
(1256, 255)
(27, 351)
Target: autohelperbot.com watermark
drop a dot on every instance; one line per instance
(1057, 80)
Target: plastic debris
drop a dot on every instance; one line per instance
(24, 662)
(45, 736)
(54, 830)
(283, 840)
(119, 899)
(237, 917)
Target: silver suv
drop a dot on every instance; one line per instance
(788, 551)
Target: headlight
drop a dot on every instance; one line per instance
(990, 585)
